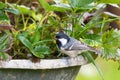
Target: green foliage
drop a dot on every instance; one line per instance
(31, 38)
(93, 40)
(4, 45)
(48, 7)
(41, 51)
(38, 50)
(35, 29)
(45, 4)
(80, 3)
(26, 42)
(109, 1)
(19, 9)
(3, 56)
(2, 5)
(3, 17)
(111, 42)
(12, 10)
(4, 42)
(24, 9)
(91, 59)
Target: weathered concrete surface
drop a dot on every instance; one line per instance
(46, 69)
(44, 63)
(48, 74)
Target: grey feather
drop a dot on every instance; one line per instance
(74, 47)
(74, 44)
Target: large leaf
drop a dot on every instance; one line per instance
(41, 51)
(111, 42)
(48, 7)
(19, 9)
(37, 17)
(91, 59)
(33, 31)
(24, 9)
(26, 42)
(36, 36)
(37, 54)
(38, 51)
(109, 1)
(2, 5)
(3, 16)
(92, 43)
(42, 41)
(80, 3)
(4, 42)
(3, 56)
(13, 10)
(111, 38)
(92, 40)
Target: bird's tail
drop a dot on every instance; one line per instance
(99, 52)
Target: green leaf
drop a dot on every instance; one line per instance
(37, 54)
(92, 43)
(38, 50)
(41, 51)
(36, 36)
(91, 59)
(93, 40)
(93, 37)
(2, 5)
(112, 38)
(109, 1)
(13, 10)
(3, 55)
(111, 42)
(44, 4)
(42, 41)
(20, 9)
(34, 32)
(79, 3)
(48, 7)
(4, 42)
(24, 10)
(3, 16)
(37, 17)
(26, 42)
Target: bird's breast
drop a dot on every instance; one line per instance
(71, 53)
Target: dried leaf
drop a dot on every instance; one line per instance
(5, 27)
(112, 9)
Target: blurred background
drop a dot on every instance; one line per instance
(109, 69)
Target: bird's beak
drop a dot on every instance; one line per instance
(56, 33)
(56, 39)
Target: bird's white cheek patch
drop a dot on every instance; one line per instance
(63, 41)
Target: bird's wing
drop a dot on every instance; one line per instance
(77, 45)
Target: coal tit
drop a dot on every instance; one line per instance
(70, 46)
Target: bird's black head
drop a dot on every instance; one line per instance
(61, 35)
(62, 39)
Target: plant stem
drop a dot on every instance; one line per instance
(103, 23)
(23, 19)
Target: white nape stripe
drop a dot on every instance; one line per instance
(63, 41)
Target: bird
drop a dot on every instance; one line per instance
(71, 46)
